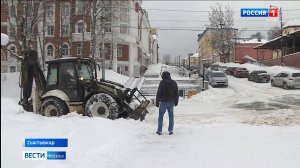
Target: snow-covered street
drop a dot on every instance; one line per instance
(243, 126)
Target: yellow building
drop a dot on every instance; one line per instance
(290, 27)
(205, 49)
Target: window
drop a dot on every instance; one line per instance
(126, 68)
(50, 30)
(120, 51)
(65, 9)
(10, 55)
(124, 18)
(52, 75)
(80, 7)
(107, 27)
(80, 27)
(64, 50)
(50, 51)
(50, 11)
(11, 12)
(64, 30)
(124, 28)
(12, 31)
(79, 49)
(12, 69)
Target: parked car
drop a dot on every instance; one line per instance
(218, 78)
(215, 67)
(241, 73)
(286, 80)
(259, 76)
(223, 68)
(230, 70)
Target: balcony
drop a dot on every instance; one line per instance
(78, 36)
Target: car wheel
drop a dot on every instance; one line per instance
(54, 107)
(272, 83)
(285, 86)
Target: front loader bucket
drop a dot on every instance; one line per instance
(140, 112)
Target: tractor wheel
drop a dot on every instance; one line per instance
(54, 107)
(102, 105)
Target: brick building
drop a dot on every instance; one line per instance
(65, 29)
(245, 49)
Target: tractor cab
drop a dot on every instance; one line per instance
(69, 75)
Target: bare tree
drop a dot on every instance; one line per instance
(167, 59)
(23, 21)
(257, 35)
(273, 32)
(223, 34)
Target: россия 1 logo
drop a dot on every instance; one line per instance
(259, 12)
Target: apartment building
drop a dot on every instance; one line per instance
(77, 28)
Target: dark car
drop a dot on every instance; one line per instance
(259, 76)
(241, 72)
(230, 70)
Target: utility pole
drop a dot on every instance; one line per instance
(179, 60)
(281, 41)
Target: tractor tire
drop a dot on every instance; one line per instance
(102, 105)
(54, 107)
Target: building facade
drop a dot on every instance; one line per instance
(78, 28)
(245, 49)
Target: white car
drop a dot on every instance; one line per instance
(217, 78)
(286, 80)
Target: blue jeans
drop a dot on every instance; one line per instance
(162, 109)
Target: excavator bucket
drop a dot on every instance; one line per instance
(140, 112)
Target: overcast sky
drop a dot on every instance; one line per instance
(182, 42)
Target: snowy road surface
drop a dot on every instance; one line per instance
(243, 126)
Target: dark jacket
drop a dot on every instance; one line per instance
(162, 88)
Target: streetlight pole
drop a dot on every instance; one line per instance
(189, 61)
(103, 57)
(203, 75)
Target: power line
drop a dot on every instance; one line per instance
(200, 11)
(207, 21)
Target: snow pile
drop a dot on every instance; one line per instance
(255, 41)
(113, 76)
(213, 94)
(277, 118)
(273, 70)
(10, 85)
(154, 69)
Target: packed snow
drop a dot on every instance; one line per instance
(243, 126)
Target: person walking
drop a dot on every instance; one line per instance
(166, 98)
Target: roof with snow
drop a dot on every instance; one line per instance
(293, 22)
(255, 41)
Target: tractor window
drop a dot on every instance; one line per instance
(52, 75)
(84, 72)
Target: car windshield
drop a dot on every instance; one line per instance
(261, 72)
(218, 74)
(244, 69)
(296, 75)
